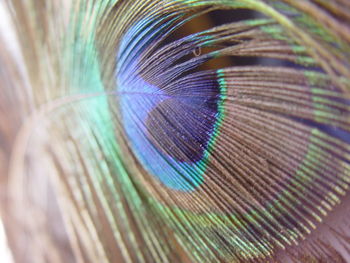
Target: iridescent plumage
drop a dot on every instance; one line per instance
(157, 153)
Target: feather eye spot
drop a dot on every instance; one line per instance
(181, 131)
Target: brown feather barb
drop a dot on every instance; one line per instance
(175, 131)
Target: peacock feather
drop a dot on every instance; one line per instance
(175, 131)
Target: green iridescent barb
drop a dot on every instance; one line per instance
(175, 130)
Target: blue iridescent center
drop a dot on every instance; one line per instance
(169, 131)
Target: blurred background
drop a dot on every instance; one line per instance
(5, 254)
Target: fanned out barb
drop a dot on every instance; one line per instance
(124, 138)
